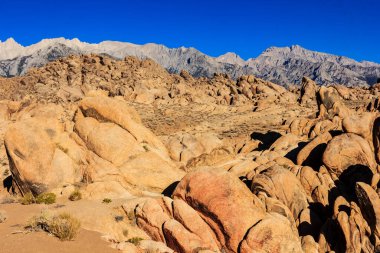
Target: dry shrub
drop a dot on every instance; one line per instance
(75, 195)
(28, 199)
(63, 225)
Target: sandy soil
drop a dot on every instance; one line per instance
(14, 239)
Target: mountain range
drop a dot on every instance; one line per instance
(282, 65)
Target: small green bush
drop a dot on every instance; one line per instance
(135, 240)
(75, 195)
(107, 201)
(46, 198)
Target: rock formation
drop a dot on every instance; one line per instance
(197, 164)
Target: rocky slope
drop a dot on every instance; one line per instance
(280, 65)
(195, 164)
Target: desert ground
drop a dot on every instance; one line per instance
(148, 161)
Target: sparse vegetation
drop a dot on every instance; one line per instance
(3, 216)
(28, 199)
(107, 201)
(75, 195)
(46, 198)
(63, 225)
(135, 240)
(125, 232)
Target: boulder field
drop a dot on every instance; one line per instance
(198, 165)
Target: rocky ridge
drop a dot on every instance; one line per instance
(285, 66)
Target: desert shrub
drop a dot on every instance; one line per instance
(125, 232)
(135, 240)
(107, 201)
(3, 216)
(75, 195)
(46, 198)
(63, 225)
(28, 199)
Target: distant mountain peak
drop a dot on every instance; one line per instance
(231, 58)
(282, 65)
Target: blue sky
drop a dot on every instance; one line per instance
(343, 27)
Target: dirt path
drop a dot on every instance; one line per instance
(12, 238)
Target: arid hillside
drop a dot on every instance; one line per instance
(149, 161)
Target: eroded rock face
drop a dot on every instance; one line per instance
(272, 234)
(223, 201)
(349, 152)
(36, 146)
(105, 145)
(309, 90)
(275, 182)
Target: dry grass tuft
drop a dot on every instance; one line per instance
(75, 195)
(63, 225)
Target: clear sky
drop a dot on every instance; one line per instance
(343, 27)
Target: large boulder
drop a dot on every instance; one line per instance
(309, 89)
(360, 124)
(349, 152)
(271, 234)
(223, 202)
(332, 102)
(280, 183)
(122, 148)
(369, 203)
(41, 155)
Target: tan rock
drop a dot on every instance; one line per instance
(348, 151)
(282, 184)
(190, 219)
(271, 234)
(223, 201)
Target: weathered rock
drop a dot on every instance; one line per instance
(349, 152)
(191, 220)
(309, 91)
(369, 203)
(223, 201)
(311, 154)
(151, 215)
(271, 234)
(280, 183)
(360, 124)
(36, 161)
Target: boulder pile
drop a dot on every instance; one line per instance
(311, 184)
